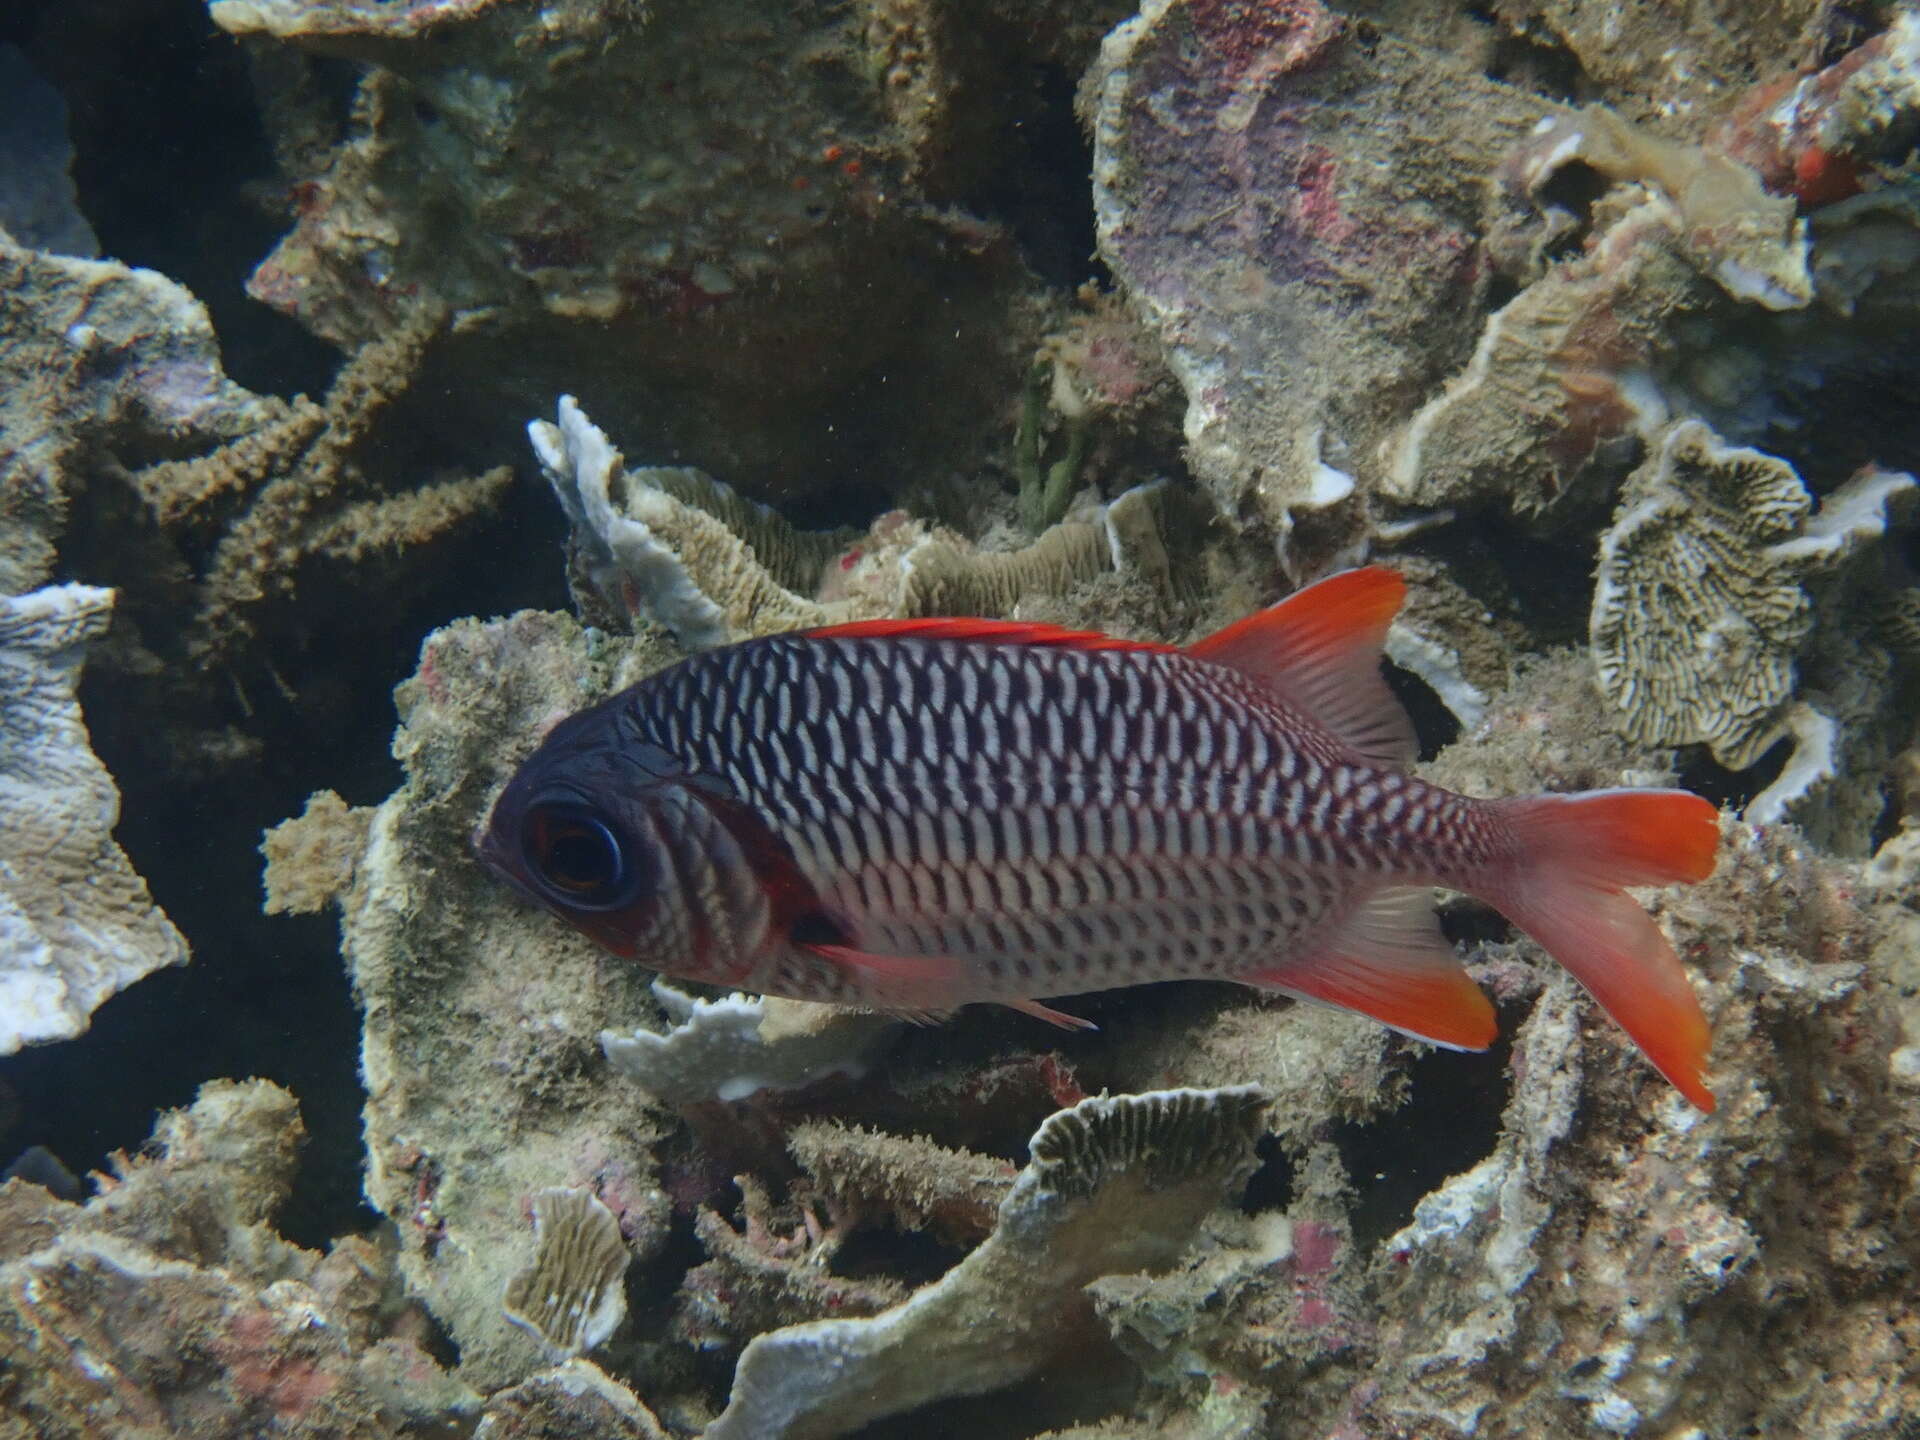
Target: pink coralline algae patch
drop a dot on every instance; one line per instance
(1270, 34)
(261, 1367)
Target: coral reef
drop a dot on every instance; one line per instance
(1702, 610)
(1504, 291)
(76, 922)
(1115, 1186)
(576, 1400)
(1307, 261)
(300, 493)
(167, 1302)
(732, 225)
(310, 858)
(97, 354)
(485, 1082)
(683, 550)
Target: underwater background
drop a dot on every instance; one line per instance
(1594, 319)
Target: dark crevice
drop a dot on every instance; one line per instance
(149, 84)
(1271, 1186)
(1450, 1123)
(1732, 789)
(913, 1258)
(1435, 726)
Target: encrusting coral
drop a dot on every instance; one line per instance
(76, 922)
(572, 1293)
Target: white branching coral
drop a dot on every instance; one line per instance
(1700, 608)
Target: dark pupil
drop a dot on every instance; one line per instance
(582, 858)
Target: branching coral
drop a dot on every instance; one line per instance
(303, 485)
(908, 1180)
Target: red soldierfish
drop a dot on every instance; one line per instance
(918, 814)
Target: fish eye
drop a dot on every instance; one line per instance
(578, 858)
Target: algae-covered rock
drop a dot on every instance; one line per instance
(1293, 202)
(484, 1078)
(168, 1301)
(731, 224)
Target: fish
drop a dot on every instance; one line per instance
(916, 815)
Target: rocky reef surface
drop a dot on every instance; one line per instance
(647, 327)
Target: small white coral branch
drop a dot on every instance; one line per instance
(582, 466)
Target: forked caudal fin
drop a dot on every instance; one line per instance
(1580, 852)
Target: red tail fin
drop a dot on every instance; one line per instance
(1580, 851)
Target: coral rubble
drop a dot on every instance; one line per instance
(167, 1302)
(1115, 1186)
(76, 922)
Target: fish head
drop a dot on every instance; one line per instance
(582, 829)
(652, 859)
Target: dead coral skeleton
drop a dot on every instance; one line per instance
(298, 488)
(76, 922)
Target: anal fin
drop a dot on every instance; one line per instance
(1389, 960)
(910, 985)
(1051, 1016)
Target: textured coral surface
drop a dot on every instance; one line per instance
(1594, 320)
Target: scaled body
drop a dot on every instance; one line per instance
(919, 815)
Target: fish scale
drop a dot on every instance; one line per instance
(922, 814)
(1059, 827)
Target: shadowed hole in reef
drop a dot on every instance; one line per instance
(147, 82)
(1732, 789)
(1271, 1186)
(1434, 726)
(1449, 1124)
(912, 1257)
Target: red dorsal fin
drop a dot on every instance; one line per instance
(1320, 649)
(1006, 632)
